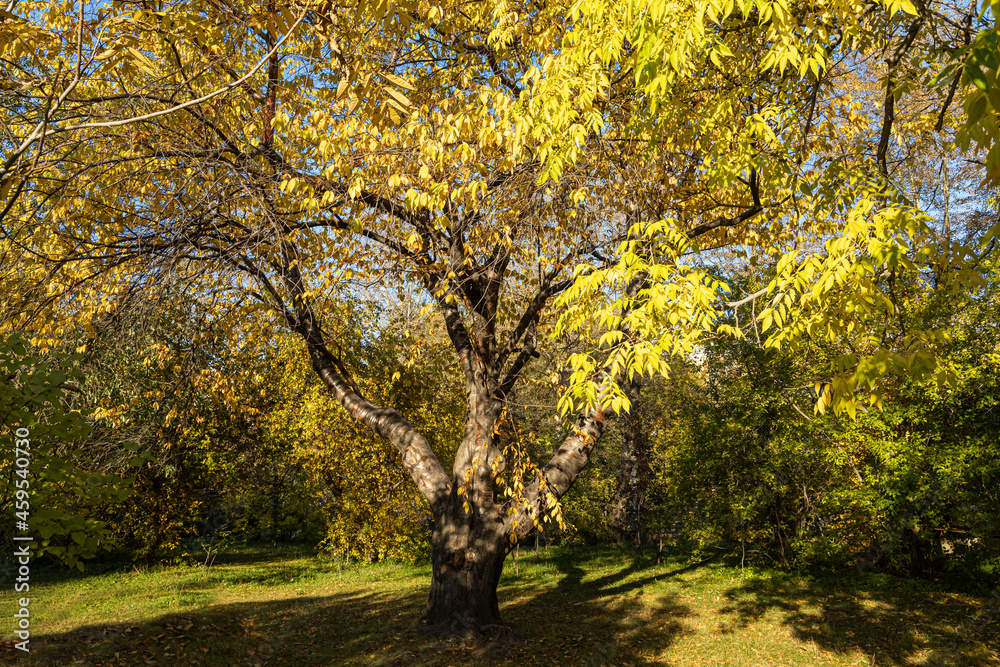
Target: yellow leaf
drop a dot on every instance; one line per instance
(143, 63)
(399, 97)
(398, 80)
(342, 87)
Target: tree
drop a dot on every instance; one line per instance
(404, 144)
(739, 457)
(798, 125)
(188, 397)
(46, 491)
(276, 193)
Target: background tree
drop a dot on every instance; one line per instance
(53, 495)
(354, 477)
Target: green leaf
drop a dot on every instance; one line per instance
(977, 108)
(974, 74)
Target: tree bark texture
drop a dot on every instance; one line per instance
(633, 471)
(468, 551)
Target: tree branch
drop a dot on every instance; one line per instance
(723, 221)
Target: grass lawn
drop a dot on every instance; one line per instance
(573, 606)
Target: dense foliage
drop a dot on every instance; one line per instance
(387, 276)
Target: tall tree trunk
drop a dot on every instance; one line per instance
(468, 551)
(918, 563)
(470, 540)
(633, 470)
(472, 535)
(630, 485)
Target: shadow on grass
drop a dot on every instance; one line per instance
(264, 553)
(898, 626)
(308, 630)
(48, 570)
(575, 608)
(595, 620)
(578, 615)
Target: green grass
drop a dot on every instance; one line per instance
(574, 606)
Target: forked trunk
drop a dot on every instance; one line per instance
(471, 536)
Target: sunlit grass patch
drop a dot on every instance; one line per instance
(568, 606)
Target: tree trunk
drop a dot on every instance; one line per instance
(918, 564)
(468, 551)
(471, 536)
(633, 470)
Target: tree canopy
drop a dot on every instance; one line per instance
(641, 179)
